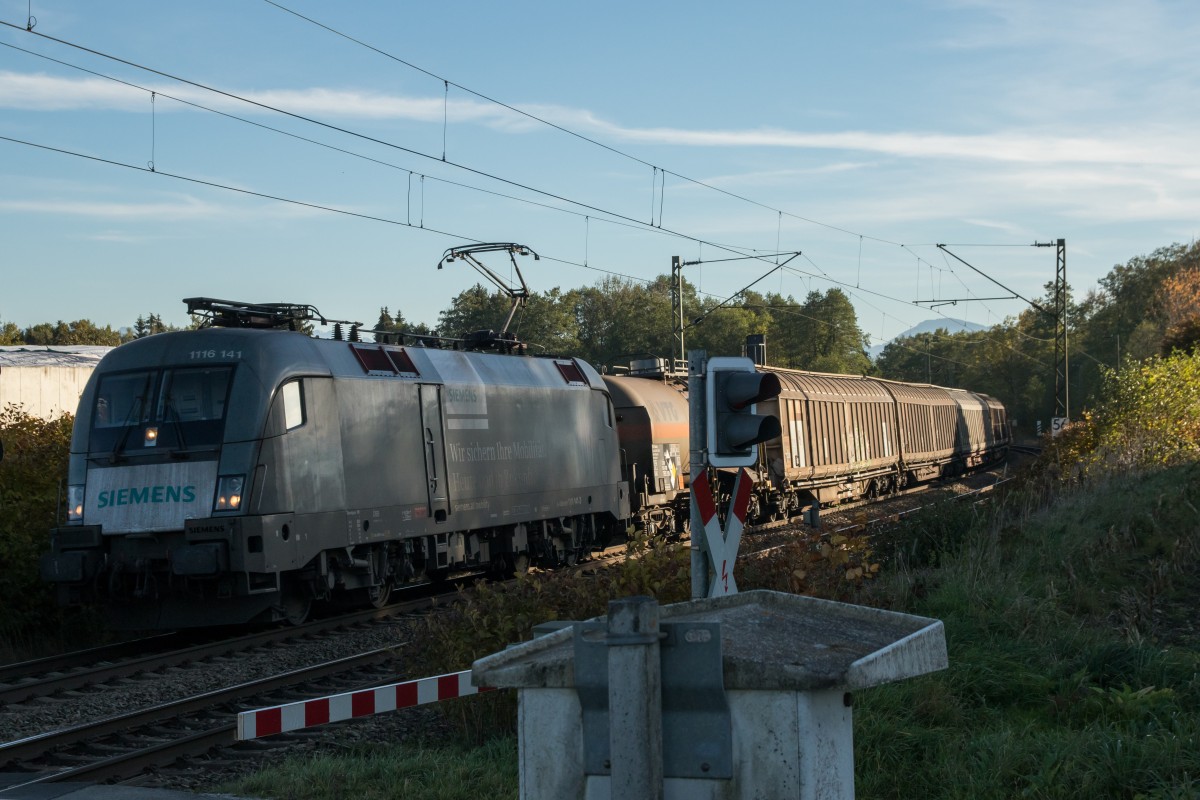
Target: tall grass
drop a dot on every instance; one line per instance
(384, 771)
(1067, 678)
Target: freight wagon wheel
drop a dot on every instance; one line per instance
(753, 509)
(296, 606)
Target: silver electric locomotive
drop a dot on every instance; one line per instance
(237, 473)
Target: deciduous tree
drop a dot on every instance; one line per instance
(1179, 299)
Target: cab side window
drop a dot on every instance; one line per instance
(293, 405)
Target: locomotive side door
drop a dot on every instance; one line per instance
(432, 426)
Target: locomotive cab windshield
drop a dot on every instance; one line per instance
(163, 413)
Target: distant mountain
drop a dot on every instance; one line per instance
(929, 326)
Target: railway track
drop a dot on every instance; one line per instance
(113, 743)
(79, 669)
(120, 747)
(10, 673)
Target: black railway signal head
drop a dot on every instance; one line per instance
(735, 428)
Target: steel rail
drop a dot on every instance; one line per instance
(78, 658)
(40, 745)
(101, 673)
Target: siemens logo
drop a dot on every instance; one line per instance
(458, 395)
(141, 495)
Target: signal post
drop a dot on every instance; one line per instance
(725, 431)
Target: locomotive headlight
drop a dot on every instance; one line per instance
(151, 436)
(230, 489)
(74, 504)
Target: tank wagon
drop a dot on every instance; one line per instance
(652, 425)
(235, 474)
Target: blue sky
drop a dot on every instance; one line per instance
(861, 135)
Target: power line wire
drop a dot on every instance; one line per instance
(528, 115)
(400, 223)
(292, 201)
(326, 125)
(617, 218)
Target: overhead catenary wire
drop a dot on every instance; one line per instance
(292, 201)
(616, 218)
(420, 225)
(482, 173)
(569, 132)
(330, 126)
(408, 224)
(609, 216)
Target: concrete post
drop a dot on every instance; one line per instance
(635, 699)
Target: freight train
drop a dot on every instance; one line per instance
(240, 472)
(843, 438)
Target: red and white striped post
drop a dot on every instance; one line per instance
(721, 545)
(352, 705)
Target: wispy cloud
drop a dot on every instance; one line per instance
(1091, 61)
(40, 92)
(174, 208)
(1006, 228)
(1014, 147)
(185, 208)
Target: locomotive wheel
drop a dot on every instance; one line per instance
(296, 606)
(380, 595)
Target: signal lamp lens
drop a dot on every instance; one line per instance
(230, 489)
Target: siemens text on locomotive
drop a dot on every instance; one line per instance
(239, 472)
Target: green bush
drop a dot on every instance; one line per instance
(1148, 417)
(32, 492)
